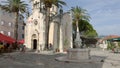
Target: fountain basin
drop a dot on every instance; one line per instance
(78, 54)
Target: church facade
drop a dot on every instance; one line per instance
(60, 31)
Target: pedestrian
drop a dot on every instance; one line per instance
(22, 48)
(50, 46)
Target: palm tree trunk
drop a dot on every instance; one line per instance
(16, 28)
(77, 26)
(58, 35)
(47, 28)
(60, 39)
(77, 39)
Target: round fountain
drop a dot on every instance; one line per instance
(77, 54)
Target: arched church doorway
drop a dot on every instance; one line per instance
(34, 44)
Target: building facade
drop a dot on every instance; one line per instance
(60, 31)
(7, 24)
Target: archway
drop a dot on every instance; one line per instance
(34, 44)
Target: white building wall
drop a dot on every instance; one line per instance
(39, 30)
(9, 24)
(28, 35)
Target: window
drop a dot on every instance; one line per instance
(22, 35)
(2, 32)
(9, 33)
(10, 24)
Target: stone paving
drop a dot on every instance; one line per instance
(47, 60)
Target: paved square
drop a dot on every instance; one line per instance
(38, 60)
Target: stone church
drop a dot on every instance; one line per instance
(60, 31)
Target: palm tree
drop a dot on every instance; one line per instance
(79, 14)
(48, 4)
(16, 7)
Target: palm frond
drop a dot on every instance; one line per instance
(79, 13)
(14, 6)
(59, 3)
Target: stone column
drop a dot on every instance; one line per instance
(61, 39)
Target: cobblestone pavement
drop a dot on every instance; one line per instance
(47, 60)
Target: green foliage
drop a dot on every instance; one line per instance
(49, 3)
(80, 14)
(91, 33)
(80, 20)
(119, 44)
(110, 46)
(14, 6)
(86, 28)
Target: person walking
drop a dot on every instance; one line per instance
(22, 48)
(50, 46)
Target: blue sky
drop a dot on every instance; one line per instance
(105, 14)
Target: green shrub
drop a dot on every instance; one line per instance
(110, 46)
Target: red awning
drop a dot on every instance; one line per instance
(7, 39)
(21, 41)
(111, 37)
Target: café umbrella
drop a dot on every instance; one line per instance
(21, 41)
(7, 39)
